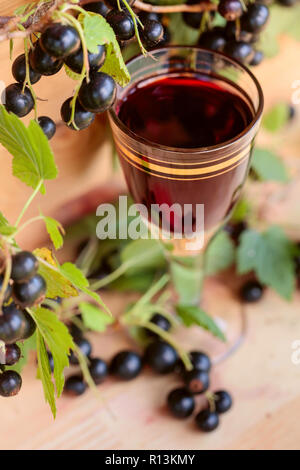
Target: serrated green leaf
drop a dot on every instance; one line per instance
(97, 31)
(5, 227)
(143, 255)
(193, 315)
(276, 118)
(94, 318)
(187, 282)
(271, 256)
(220, 254)
(25, 346)
(241, 211)
(44, 373)
(268, 166)
(54, 229)
(58, 340)
(74, 274)
(33, 159)
(57, 284)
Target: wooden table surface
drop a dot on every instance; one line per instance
(261, 376)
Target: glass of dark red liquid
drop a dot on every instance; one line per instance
(184, 129)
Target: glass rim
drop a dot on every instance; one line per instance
(195, 150)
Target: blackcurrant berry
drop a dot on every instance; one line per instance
(19, 71)
(235, 230)
(51, 361)
(122, 24)
(97, 7)
(192, 19)
(82, 118)
(26, 294)
(96, 60)
(200, 361)
(98, 370)
(223, 401)
(166, 39)
(255, 18)
(213, 40)
(126, 365)
(8, 290)
(196, 381)
(288, 3)
(24, 266)
(292, 114)
(12, 324)
(98, 94)
(149, 15)
(230, 9)
(85, 348)
(239, 50)
(160, 321)
(17, 101)
(12, 354)
(152, 33)
(48, 126)
(207, 420)
(75, 385)
(181, 403)
(42, 62)
(232, 32)
(10, 383)
(75, 332)
(60, 40)
(257, 58)
(161, 357)
(29, 327)
(252, 291)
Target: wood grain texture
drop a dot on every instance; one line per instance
(264, 382)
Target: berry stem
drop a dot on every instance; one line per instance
(136, 29)
(146, 298)
(27, 79)
(200, 7)
(8, 265)
(29, 201)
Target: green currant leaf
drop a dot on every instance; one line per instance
(5, 228)
(276, 118)
(271, 256)
(220, 253)
(97, 31)
(143, 255)
(25, 346)
(180, 32)
(55, 231)
(241, 211)
(268, 166)
(59, 341)
(193, 315)
(187, 282)
(94, 318)
(44, 373)
(33, 159)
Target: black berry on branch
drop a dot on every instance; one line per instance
(29, 327)
(17, 101)
(288, 3)
(51, 361)
(223, 401)
(44, 63)
(10, 383)
(196, 381)
(152, 33)
(213, 40)
(239, 50)
(192, 19)
(24, 266)
(48, 126)
(97, 7)
(149, 15)
(98, 94)
(96, 60)
(8, 291)
(82, 118)
(230, 9)
(85, 347)
(12, 354)
(207, 420)
(161, 357)
(12, 324)
(122, 24)
(252, 291)
(75, 386)
(26, 294)
(19, 71)
(160, 321)
(257, 58)
(200, 361)
(98, 370)
(181, 403)
(232, 32)
(126, 365)
(255, 18)
(60, 40)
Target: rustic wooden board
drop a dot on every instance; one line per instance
(261, 376)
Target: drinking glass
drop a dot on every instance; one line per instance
(212, 176)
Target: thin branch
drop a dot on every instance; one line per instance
(200, 7)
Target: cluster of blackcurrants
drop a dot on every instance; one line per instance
(162, 359)
(25, 289)
(238, 38)
(60, 44)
